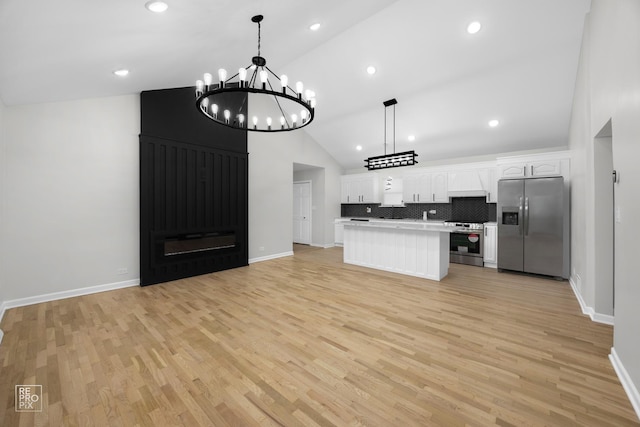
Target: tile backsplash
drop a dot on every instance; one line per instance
(461, 208)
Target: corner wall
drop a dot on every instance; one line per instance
(271, 159)
(608, 88)
(72, 207)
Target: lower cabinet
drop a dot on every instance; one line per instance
(338, 238)
(491, 245)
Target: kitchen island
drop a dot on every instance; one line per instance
(416, 248)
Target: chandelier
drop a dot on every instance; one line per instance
(272, 109)
(406, 158)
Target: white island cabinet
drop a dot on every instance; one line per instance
(414, 248)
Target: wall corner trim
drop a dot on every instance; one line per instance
(625, 379)
(1, 335)
(589, 311)
(20, 302)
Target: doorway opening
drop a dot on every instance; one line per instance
(604, 219)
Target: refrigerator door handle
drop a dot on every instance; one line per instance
(526, 216)
(520, 215)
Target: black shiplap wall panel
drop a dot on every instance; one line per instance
(193, 179)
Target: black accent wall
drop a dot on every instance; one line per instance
(193, 190)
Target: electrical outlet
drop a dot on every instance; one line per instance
(368, 209)
(123, 270)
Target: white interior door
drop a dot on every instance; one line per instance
(302, 212)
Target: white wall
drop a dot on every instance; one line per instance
(3, 180)
(71, 200)
(271, 159)
(608, 88)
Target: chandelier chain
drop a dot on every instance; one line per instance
(258, 38)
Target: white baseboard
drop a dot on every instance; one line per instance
(625, 379)
(589, 311)
(326, 246)
(268, 257)
(20, 302)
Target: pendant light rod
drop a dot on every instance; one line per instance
(387, 104)
(406, 158)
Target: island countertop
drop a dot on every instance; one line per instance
(412, 247)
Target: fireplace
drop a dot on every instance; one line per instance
(194, 243)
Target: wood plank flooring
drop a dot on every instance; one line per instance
(308, 341)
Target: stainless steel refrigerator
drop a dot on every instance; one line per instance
(533, 226)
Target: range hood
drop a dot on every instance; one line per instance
(392, 200)
(466, 183)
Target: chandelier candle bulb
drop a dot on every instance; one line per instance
(208, 79)
(241, 119)
(214, 110)
(227, 115)
(255, 122)
(242, 75)
(222, 76)
(269, 123)
(263, 78)
(299, 89)
(303, 116)
(199, 87)
(284, 80)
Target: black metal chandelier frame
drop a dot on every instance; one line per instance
(385, 161)
(207, 91)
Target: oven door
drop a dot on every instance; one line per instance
(467, 243)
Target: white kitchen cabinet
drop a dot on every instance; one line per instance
(417, 188)
(489, 179)
(439, 188)
(491, 245)
(531, 169)
(425, 187)
(360, 188)
(338, 232)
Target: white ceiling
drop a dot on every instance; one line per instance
(520, 68)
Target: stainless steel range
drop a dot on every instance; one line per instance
(466, 243)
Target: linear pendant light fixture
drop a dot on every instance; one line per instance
(284, 109)
(406, 158)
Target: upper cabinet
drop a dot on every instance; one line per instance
(534, 166)
(360, 188)
(439, 183)
(425, 187)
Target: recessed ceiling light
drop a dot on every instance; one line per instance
(314, 27)
(156, 6)
(474, 27)
(371, 70)
(359, 147)
(412, 138)
(493, 123)
(121, 73)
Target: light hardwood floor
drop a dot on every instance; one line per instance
(306, 340)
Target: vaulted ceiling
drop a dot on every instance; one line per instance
(519, 69)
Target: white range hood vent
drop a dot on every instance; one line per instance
(392, 200)
(465, 183)
(392, 196)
